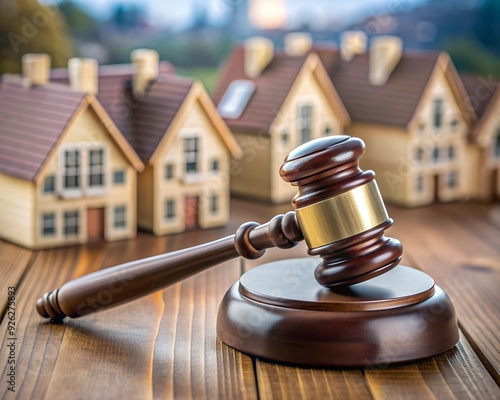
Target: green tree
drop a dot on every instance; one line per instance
(26, 26)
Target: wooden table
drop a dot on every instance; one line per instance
(165, 346)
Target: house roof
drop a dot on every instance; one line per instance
(393, 103)
(271, 88)
(145, 121)
(34, 120)
(114, 88)
(479, 94)
(483, 94)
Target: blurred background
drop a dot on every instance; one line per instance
(197, 35)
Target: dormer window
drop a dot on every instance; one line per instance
(438, 113)
(236, 98)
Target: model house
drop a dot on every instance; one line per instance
(174, 127)
(484, 148)
(410, 109)
(273, 101)
(67, 175)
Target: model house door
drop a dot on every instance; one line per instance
(95, 224)
(191, 212)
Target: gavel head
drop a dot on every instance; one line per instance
(340, 211)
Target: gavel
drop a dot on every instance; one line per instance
(339, 213)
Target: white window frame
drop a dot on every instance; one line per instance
(191, 156)
(435, 101)
(54, 182)
(72, 192)
(120, 217)
(43, 224)
(95, 190)
(172, 218)
(214, 199)
(77, 223)
(305, 102)
(123, 172)
(84, 189)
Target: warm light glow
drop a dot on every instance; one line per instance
(268, 14)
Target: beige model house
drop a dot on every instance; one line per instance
(484, 148)
(67, 175)
(409, 108)
(174, 127)
(273, 101)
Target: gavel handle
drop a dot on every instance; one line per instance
(126, 282)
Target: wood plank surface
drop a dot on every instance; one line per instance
(459, 246)
(165, 346)
(14, 261)
(161, 345)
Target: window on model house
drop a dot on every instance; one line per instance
(451, 152)
(96, 168)
(120, 217)
(191, 154)
(419, 155)
(214, 204)
(169, 209)
(215, 166)
(496, 144)
(48, 224)
(71, 223)
(119, 177)
(435, 155)
(420, 184)
(305, 122)
(452, 179)
(328, 130)
(438, 113)
(169, 172)
(284, 137)
(49, 184)
(72, 169)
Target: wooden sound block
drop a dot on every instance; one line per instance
(278, 311)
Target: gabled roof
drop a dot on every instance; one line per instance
(482, 97)
(146, 121)
(114, 88)
(393, 103)
(272, 87)
(34, 120)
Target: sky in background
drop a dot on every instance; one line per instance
(178, 14)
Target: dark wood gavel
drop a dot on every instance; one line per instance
(338, 211)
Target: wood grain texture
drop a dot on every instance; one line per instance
(14, 261)
(459, 246)
(278, 381)
(164, 345)
(456, 374)
(122, 353)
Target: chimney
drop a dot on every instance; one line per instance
(145, 62)
(298, 44)
(258, 54)
(352, 43)
(385, 53)
(36, 69)
(83, 75)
